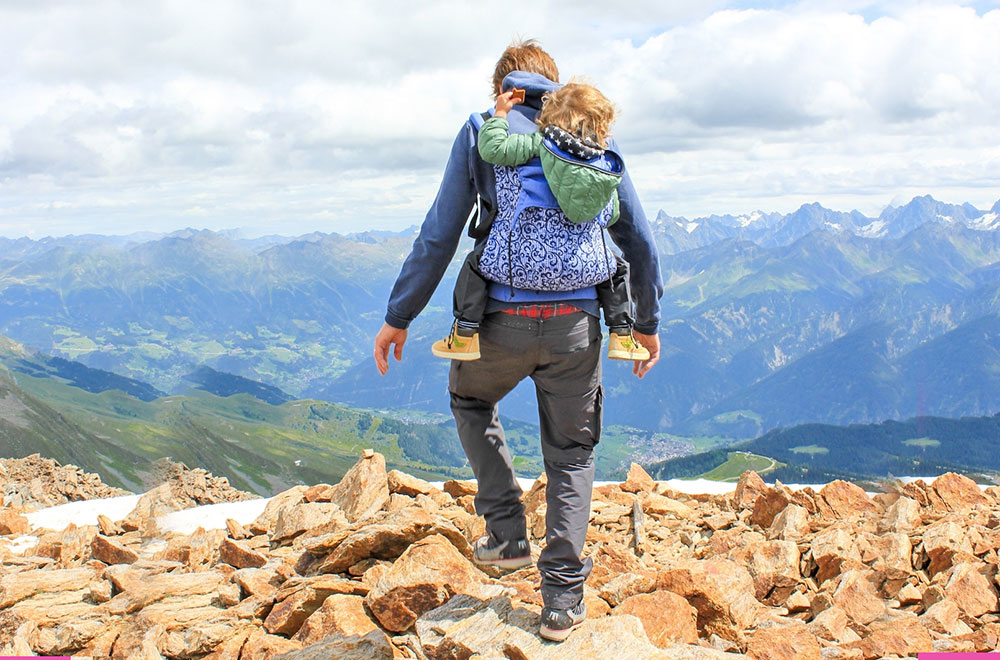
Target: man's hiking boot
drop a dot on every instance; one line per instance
(625, 347)
(556, 625)
(457, 346)
(508, 555)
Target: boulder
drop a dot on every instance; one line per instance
(770, 504)
(238, 555)
(313, 517)
(268, 518)
(832, 624)
(384, 538)
(792, 523)
(638, 480)
(832, 549)
(298, 598)
(846, 500)
(721, 590)
(791, 642)
(404, 484)
(457, 488)
(111, 551)
(12, 523)
(970, 590)
(901, 516)
(364, 489)
(426, 576)
(958, 492)
(899, 636)
(661, 505)
(467, 627)
(748, 489)
(666, 617)
(370, 646)
(944, 542)
(340, 614)
(857, 597)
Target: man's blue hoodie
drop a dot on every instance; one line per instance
(465, 175)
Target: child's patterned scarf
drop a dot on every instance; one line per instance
(582, 148)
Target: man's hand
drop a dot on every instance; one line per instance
(385, 338)
(652, 344)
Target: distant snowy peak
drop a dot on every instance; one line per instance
(747, 220)
(875, 229)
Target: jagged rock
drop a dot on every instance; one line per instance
(857, 597)
(195, 486)
(944, 617)
(426, 576)
(791, 642)
(371, 646)
(69, 547)
(666, 617)
(958, 492)
(970, 590)
(318, 493)
(748, 489)
(16, 587)
(156, 502)
(313, 517)
(721, 590)
(238, 555)
(107, 526)
(197, 551)
(364, 489)
(617, 574)
(12, 522)
(110, 551)
(638, 480)
(268, 518)
(384, 538)
(38, 481)
(834, 625)
(235, 530)
(901, 636)
(889, 551)
(230, 648)
(298, 598)
(792, 523)
(774, 567)
(846, 500)
(340, 614)
(467, 627)
(943, 543)
(902, 516)
(662, 505)
(770, 504)
(262, 646)
(797, 602)
(457, 488)
(404, 484)
(909, 595)
(831, 549)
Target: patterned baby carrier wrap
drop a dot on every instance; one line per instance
(532, 244)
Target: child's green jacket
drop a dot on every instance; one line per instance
(582, 187)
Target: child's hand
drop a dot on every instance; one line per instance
(508, 100)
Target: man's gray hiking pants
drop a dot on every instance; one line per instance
(562, 355)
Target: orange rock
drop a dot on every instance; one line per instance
(667, 617)
(846, 499)
(638, 480)
(111, 551)
(748, 490)
(721, 590)
(858, 598)
(13, 523)
(340, 614)
(971, 590)
(900, 636)
(792, 642)
(769, 505)
(958, 492)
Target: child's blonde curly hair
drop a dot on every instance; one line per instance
(580, 109)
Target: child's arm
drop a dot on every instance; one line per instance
(499, 148)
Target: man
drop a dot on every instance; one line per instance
(555, 340)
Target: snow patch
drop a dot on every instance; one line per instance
(690, 227)
(986, 222)
(212, 516)
(746, 220)
(875, 229)
(84, 512)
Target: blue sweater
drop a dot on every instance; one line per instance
(466, 174)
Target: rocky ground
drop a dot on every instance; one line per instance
(378, 566)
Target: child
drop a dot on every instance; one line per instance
(576, 118)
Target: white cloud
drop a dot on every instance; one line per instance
(335, 116)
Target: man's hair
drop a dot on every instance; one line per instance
(524, 56)
(580, 109)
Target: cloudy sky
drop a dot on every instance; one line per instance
(289, 117)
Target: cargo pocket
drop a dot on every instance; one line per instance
(571, 425)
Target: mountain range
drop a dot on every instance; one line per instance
(769, 319)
